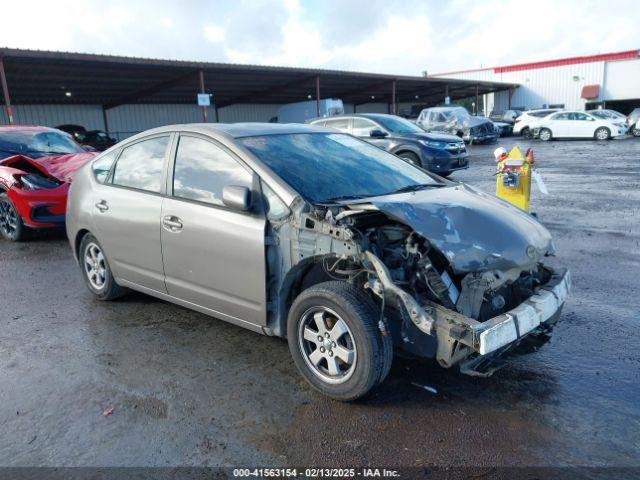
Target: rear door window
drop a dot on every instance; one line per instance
(202, 169)
(102, 165)
(141, 165)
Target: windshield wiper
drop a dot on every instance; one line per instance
(415, 188)
(343, 197)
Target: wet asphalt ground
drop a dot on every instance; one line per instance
(190, 390)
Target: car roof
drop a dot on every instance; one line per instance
(371, 116)
(239, 130)
(26, 128)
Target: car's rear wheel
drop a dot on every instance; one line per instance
(526, 133)
(602, 133)
(635, 131)
(545, 134)
(335, 340)
(11, 225)
(96, 271)
(410, 157)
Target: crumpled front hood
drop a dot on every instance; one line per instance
(472, 121)
(60, 167)
(475, 231)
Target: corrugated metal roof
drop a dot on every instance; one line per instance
(39, 77)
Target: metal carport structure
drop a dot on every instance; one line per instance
(48, 77)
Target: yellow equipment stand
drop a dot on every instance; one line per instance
(513, 180)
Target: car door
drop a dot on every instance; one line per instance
(214, 256)
(127, 208)
(584, 125)
(558, 124)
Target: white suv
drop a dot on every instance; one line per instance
(522, 125)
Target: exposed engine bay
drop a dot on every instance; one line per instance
(463, 314)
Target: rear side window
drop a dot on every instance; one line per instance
(102, 166)
(140, 165)
(202, 170)
(363, 127)
(341, 124)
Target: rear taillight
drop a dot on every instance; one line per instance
(517, 120)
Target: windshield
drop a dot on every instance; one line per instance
(398, 125)
(332, 166)
(36, 144)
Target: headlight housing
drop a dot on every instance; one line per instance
(433, 144)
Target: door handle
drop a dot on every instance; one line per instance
(172, 223)
(102, 206)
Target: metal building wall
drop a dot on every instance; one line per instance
(127, 120)
(89, 116)
(542, 86)
(622, 80)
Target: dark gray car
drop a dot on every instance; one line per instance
(302, 232)
(440, 153)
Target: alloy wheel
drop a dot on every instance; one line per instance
(327, 345)
(602, 134)
(95, 266)
(8, 219)
(545, 135)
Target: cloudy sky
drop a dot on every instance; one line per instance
(388, 36)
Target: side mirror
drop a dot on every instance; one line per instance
(377, 133)
(238, 198)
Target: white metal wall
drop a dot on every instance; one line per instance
(563, 84)
(622, 80)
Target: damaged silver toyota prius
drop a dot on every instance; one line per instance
(301, 232)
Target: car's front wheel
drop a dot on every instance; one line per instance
(11, 225)
(410, 157)
(545, 134)
(96, 270)
(602, 133)
(335, 340)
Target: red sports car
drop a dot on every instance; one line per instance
(36, 167)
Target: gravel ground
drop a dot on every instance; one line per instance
(190, 390)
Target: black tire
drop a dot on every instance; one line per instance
(373, 348)
(635, 131)
(12, 227)
(602, 133)
(545, 135)
(411, 158)
(109, 290)
(526, 133)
